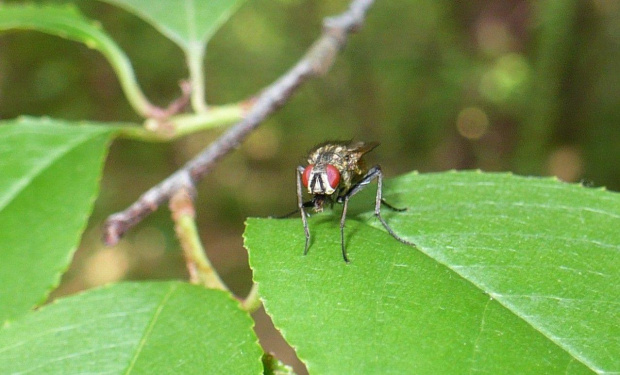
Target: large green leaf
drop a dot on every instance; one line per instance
(134, 328)
(510, 275)
(66, 22)
(49, 175)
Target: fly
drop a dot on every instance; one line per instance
(336, 172)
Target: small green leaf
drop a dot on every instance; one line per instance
(66, 22)
(188, 23)
(134, 328)
(49, 176)
(510, 274)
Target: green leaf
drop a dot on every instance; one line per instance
(66, 22)
(188, 23)
(510, 275)
(49, 175)
(134, 328)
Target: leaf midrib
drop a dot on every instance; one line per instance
(190, 9)
(504, 303)
(13, 191)
(149, 328)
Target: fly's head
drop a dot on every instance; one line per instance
(325, 172)
(321, 180)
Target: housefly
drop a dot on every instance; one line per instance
(336, 172)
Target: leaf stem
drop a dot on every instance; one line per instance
(252, 302)
(201, 271)
(164, 130)
(195, 54)
(125, 73)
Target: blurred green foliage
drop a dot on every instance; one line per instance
(530, 87)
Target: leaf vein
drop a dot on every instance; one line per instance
(26, 179)
(150, 327)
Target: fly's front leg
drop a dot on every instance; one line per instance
(301, 205)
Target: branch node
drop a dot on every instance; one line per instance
(182, 204)
(158, 120)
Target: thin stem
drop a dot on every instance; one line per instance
(178, 126)
(195, 54)
(252, 302)
(201, 271)
(126, 76)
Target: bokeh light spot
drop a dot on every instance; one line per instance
(105, 266)
(472, 122)
(493, 36)
(566, 163)
(508, 75)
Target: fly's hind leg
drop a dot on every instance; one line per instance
(307, 204)
(375, 172)
(393, 208)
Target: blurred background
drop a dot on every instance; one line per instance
(531, 87)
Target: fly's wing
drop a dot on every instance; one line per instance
(361, 148)
(356, 150)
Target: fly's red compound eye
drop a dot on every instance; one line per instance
(333, 176)
(305, 177)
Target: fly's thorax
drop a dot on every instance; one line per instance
(329, 154)
(347, 179)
